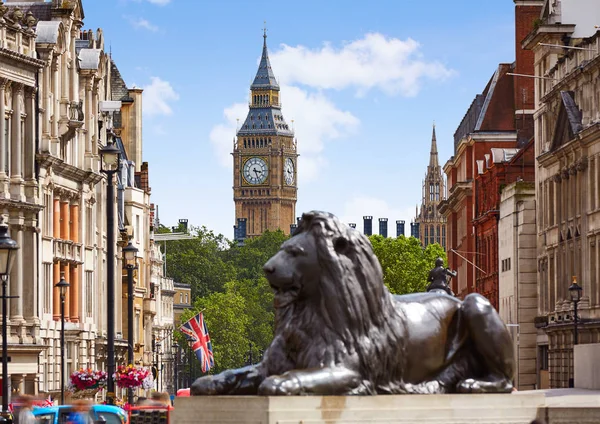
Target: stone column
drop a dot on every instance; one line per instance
(3, 141)
(16, 151)
(56, 292)
(16, 275)
(54, 109)
(89, 114)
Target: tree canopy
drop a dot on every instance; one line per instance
(229, 287)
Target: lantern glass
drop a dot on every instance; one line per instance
(111, 156)
(575, 291)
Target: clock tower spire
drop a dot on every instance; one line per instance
(264, 160)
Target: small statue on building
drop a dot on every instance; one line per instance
(438, 278)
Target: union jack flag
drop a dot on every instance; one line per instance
(197, 332)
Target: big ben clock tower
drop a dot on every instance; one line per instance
(265, 159)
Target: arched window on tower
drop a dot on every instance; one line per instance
(267, 98)
(432, 235)
(431, 191)
(444, 237)
(426, 234)
(437, 192)
(438, 239)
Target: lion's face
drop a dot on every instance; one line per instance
(294, 271)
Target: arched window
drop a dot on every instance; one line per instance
(437, 191)
(432, 235)
(431, 192)
(426, 234)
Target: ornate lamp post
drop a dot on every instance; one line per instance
(8, 248)
(575, 292)
(175, 348)
(111, 162)
(62, 286)
(130, 252)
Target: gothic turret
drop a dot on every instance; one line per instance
(431, 224)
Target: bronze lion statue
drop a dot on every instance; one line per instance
(338, 330)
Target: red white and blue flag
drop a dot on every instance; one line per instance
(197, 333)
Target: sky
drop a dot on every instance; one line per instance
(363, 83)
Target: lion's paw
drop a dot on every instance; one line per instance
(428, 387)
(471, 385)
(277, 385)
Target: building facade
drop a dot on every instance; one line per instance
(500, 117)
(19, 191)
(567, 147)
(431, 223)
(55, 83)
(499, 168)
(518, 271)
(265, 159)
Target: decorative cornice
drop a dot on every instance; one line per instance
(18, 205)
(22, 58)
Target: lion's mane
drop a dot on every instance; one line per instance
(354, 318)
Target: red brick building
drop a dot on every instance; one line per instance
(498, 169)
(500, 117)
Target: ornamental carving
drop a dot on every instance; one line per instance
(581, 164)
(565, 173)
(557, 178)
(573, 169)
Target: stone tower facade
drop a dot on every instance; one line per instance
(264, 161)
(432, 224)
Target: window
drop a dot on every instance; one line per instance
(48, 287)
(89, 290)
(180, 297)
(137, 228)
(89, 225)
(47, 217)
(6, 145)
(186, 298)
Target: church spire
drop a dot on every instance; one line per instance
(264, 79)
(433, 155)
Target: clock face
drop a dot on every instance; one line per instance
(255, 171)
(288, 171)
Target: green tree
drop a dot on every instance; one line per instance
(250, 258)
(405, 263)
(227, 327)
(200, 262)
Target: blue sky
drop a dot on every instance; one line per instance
(362, 82)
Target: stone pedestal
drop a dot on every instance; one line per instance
(587, 369)
(519, 408)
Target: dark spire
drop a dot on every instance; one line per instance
(433, 155)
(264, 78)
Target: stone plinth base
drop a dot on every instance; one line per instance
(447, 409)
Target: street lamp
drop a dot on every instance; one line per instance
(130, 252)
(575, 292)
(8, 248)
(110, 164)
(62, 286)
(175, 348)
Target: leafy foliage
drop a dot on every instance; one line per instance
(405, 263)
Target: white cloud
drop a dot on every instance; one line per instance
(159, 2)
(141, 23)
(392, 65)
(157, 97)
(365, 205)
(316, 120)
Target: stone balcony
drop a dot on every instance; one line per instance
(66, 250)
(149, 306)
